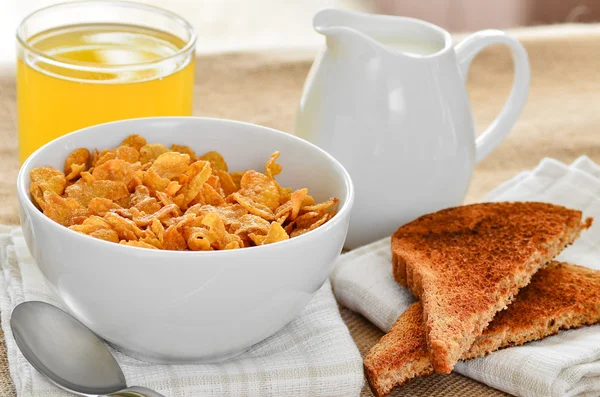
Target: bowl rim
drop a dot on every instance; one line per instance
(344, 212)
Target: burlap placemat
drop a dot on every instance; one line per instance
(561, 120)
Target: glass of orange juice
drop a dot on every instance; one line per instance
(90, 62)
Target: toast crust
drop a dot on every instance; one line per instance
(467, 263)
(400, 355)
(560, 296)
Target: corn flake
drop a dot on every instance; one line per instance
(103, 157)
(46, 179)
(276, 233)
(195, 176)
(142, 201)
(324, 206)
(150, 152)
(312, 226)
(211, 196)
(260, 188)
(115, 170)
(198, 240)
(230, 214)
(296, 201)
(173, 239)
(84, 191)
(126, 229)
(65, 211)
(127, 153)
(172, 188)
(97, 227)
(257, 239)
(272, 168)
(226, 182)
(216, 234)
(100, 206)
(184, 150)
(139, 243)
(171, 164)
(76, 163)
(155, 182)
(253, 207)
(236, 178)
(216, 161)
(249, 223)
(135, 141)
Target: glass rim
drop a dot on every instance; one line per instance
(86, 66)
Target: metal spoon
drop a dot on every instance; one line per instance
(70, 355)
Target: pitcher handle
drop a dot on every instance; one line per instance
(466, 50)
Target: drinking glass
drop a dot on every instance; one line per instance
(90, 62)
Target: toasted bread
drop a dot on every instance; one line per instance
(400, 355)
(560, 296)
(467, 263)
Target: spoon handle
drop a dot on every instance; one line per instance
(136, 391)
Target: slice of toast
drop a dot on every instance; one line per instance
(467, 263)
(560, 296)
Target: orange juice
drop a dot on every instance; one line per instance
(80, 75)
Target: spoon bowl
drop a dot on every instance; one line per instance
(68, 353)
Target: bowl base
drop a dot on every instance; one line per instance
(160, 359)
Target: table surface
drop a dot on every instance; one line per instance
(560, 120)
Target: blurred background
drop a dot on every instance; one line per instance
(234, 25)
(467, 15)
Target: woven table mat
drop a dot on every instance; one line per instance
(560, 120)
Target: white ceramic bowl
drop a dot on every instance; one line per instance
(177, 307)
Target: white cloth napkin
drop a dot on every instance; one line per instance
(314, 355)
(567, 364)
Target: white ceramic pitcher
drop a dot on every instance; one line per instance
(387, 98)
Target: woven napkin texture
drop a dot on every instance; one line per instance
(567, 364)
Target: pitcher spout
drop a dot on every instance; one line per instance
(326, 20)
(342, 29)
(399, 36)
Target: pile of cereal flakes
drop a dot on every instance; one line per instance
(146, 195)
